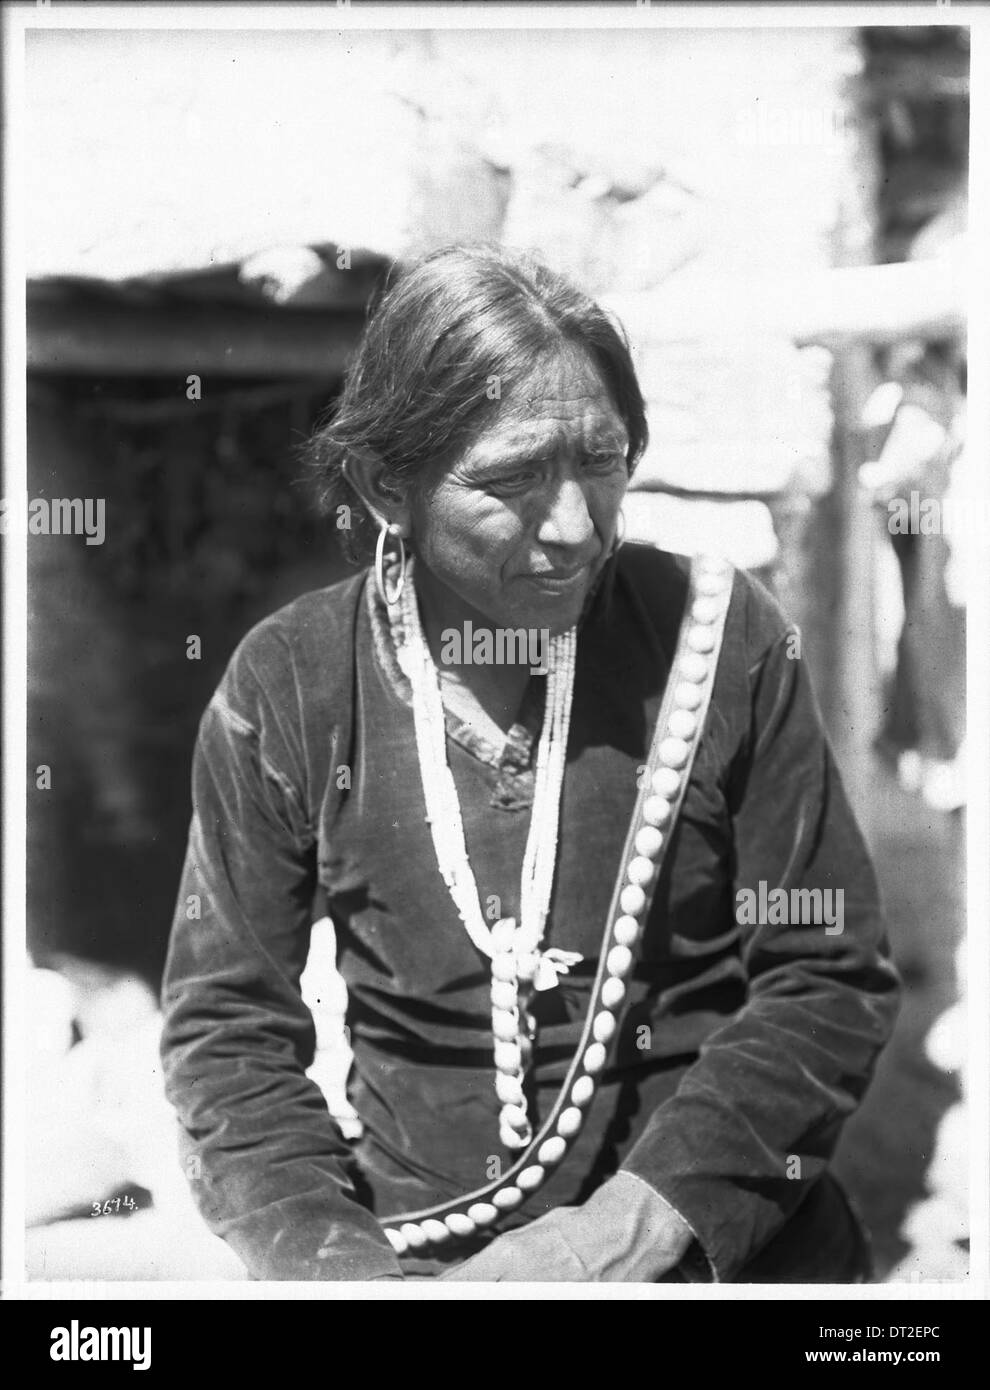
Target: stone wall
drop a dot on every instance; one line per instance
(683, 164)
(687, 163)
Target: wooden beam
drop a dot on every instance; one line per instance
(117, 340)
(852, 304)
(867, 304)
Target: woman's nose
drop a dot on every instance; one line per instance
(566, 520)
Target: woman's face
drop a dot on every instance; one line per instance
(517, 529)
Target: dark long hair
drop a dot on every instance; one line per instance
(452, 335)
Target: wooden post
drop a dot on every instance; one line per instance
(856, 691)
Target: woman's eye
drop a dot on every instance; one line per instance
(512, 482)
(603, 463)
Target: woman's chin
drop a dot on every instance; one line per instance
(550, 602)
(555, 616)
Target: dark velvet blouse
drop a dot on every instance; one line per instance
(745, 1045)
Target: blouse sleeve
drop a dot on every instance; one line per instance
(266, 1162)
(756, 1118)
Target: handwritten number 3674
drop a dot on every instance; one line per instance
(112, 1206)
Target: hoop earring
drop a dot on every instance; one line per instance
(380, 583)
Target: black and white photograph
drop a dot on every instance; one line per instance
(496, 696)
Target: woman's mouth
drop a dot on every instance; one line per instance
(559, 581)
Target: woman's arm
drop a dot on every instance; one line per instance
(264, 1158)
(755, 1120)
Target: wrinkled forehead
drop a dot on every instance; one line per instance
(562, 402)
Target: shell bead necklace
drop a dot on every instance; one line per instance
(675, 742)
(517, 963)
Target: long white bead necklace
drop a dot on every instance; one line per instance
(518, 965)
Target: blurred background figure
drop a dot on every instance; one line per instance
(917, 484)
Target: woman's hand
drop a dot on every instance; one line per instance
(625, 1232)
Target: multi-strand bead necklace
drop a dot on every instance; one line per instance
(518, 964)
(675, 740)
